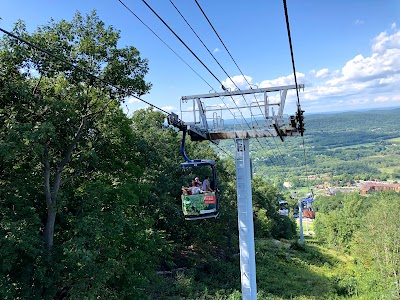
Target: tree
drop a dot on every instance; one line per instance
(268, 222)
(339, 217)
(52, 114)
(68, 151)
(376, 247)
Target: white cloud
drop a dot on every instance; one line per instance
(386, 41)
(216, 50)
(368, 80)
(238, 81)
(389, 80)
(169, 108)
(283, 80)
(388, 99)
(323, 73)
(133, 100)
(377, 65)
(362, 81)
(359, 22)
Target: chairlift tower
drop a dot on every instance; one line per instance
(250, 114)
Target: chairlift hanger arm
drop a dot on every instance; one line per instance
(195, 133)
(187, 159)
(173, 119)
(243, 92)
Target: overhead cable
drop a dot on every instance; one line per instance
(199, 38)
(141, 21)
(295, 80)
(190, 50)
(87, 73)
(176, 53)
(226, 48)
(209, 22)
(177, 36)
(291, 51)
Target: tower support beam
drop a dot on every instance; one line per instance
(245, 220)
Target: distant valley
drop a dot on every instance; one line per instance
(338, 148)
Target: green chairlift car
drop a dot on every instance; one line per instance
(204, 204)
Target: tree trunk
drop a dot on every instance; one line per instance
(52, 193)
(49, 229)
(51, 212)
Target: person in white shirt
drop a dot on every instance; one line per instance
(206, 185)
(195, 188)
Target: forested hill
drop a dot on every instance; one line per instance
(352, 128)
(355, 145)
(342, 120)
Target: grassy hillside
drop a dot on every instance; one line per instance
(292, 271)
(285, 270)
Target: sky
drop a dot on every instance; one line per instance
(347, 53)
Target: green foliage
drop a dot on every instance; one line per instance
(71, 168)
(377, 248)
(340, 148)
(263, 224)
(337, 223)
(268, 222)
(367, 228)
(285, 272)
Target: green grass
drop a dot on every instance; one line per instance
(353, 146)
(285, 270)
(395, 140)
(291, 271)
(390, 170)
(310, 227)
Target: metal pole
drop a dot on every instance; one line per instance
(301, 221)
(307, 226)
(245, 221)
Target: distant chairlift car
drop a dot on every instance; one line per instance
(283, 208)
(308, 211)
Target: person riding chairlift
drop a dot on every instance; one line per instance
(206, 185)
(193, 190)
(198, 183)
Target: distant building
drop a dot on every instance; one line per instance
(376, 186)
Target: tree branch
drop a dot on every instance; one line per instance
(67, 157)
(100, 110)
(46, 164)
(37, 84)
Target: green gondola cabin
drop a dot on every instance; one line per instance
(203, 202)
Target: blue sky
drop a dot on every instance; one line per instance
(347, 53)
